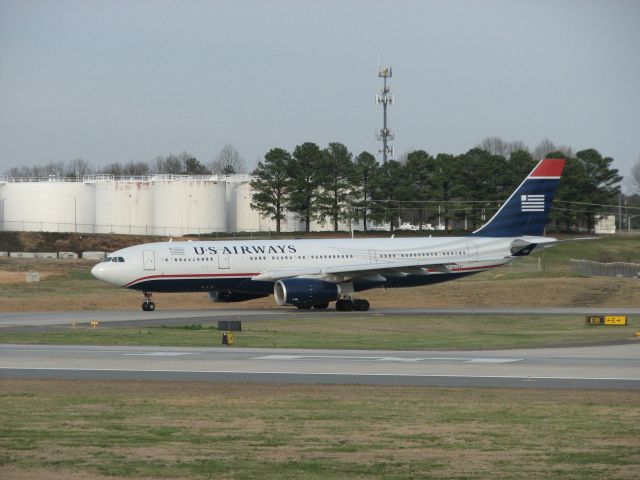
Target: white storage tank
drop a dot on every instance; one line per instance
(327, 226)
(2, 198)
(247, 219)
(189, 206)
(250, 220)
(48, 206)
(231, 189)
(124, 206)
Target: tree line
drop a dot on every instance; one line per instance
(333, 185)
(227, 162)
(460, 191)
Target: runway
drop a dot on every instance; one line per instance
(600, 367)
(29, 321)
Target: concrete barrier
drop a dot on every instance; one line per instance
(46, 255)
(22, 255)
(68, 255)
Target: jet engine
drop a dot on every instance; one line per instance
(522, 248)
(304, 292)
(228, 297)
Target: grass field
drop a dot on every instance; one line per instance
(93, 430)
(357, 332)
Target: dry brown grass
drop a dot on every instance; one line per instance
(499, 288)
(531, 292)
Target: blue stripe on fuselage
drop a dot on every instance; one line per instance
(246, 285)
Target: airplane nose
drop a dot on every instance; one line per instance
(98, 271)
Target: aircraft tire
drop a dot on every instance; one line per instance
(344, 305)
(361, 305)
(148, 306)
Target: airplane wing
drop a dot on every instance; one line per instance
(344, 272)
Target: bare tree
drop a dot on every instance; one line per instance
(498, 146)
(137, 169)
(635, 176)
(78, 168)
(18, 172)
(545, 147)
(228, 162)
(57, 169)
(171, 164)
(115, 169)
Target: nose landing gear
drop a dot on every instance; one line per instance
(148, 305)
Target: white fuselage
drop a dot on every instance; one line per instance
(223, 265)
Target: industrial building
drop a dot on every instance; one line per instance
(169, 205)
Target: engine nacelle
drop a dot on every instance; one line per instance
(304, 292)
(522, 248)
(228, 297)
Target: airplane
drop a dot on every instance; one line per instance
(311, 273)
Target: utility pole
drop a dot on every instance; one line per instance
(385, 97)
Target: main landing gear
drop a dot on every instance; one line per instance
(349, 304)
(148, 305)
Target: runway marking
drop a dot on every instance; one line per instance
(253, 372)
(389, 359)
(156, 354)
(494, 360)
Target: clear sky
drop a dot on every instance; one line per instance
(115, 81)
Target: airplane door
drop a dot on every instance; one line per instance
(472, 249)
(148, 260)
(223, 260)
(372, 256)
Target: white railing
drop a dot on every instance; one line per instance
(239, 178)
(71, 227)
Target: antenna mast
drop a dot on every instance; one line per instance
(385, 97)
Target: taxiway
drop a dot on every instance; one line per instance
(25, 321)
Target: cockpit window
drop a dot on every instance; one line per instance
(114, 259)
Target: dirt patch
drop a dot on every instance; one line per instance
(18, 277)
(15, 473)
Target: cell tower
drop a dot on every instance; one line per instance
(385, 97)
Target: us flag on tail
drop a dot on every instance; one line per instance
(532, 203)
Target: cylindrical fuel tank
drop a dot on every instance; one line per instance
(189, 206)
(124, 207)
(48, 206)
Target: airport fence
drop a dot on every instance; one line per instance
(535, 264)
(615, 269)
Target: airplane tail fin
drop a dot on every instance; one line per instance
(526, 212)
